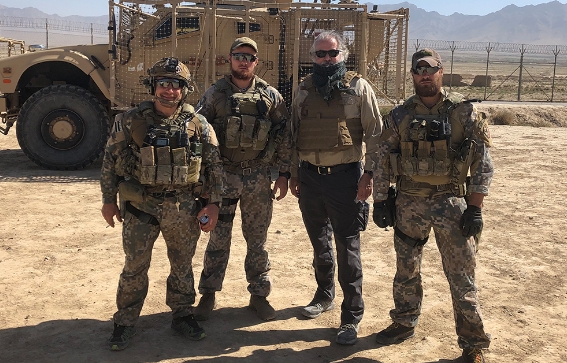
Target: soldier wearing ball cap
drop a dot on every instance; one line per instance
(153, 161)
(250, 118)
(430, 145)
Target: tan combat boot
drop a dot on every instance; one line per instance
(264, 310)
(206, 305)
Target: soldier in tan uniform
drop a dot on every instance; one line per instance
(250, 119)
(153, 160)
(334, 113)
(429, 145)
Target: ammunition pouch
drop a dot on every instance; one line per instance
(412, 242)
(462, 162)
(131, 190)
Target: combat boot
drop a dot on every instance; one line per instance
(121, 337)
(394, 333)
(205, 307)
(473, 355)
(264, 310)
(188, 327)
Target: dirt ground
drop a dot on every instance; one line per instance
(59, 268)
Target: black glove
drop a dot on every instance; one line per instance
(471, 221)
(382, 215)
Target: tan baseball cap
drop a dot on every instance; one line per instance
(239, 42)
(428, 55)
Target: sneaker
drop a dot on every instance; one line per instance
(120, 337)
(317, 307)
(264, 310)
(205, 307)
(473, 355)
(394, 333)
(348, 334)
(188, 327)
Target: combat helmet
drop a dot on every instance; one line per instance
(168, 67)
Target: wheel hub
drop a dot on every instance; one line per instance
(62, 129)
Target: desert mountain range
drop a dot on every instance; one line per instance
(532, 24)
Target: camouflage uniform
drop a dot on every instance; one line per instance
(169, 211)
(420, 207)
(247, 179)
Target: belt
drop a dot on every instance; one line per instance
(326, 170)
(456, 189)
(242, 167)
(141, 215)
(164, 194)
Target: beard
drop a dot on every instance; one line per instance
(427, 90)
(242, 74)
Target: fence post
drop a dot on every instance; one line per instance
(46, 33)
(452, 47)
(555, 54)
(488, 50)
(522, 51)
(92, 36)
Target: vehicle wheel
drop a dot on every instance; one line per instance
(62, 127)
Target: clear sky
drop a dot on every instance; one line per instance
(444, 7)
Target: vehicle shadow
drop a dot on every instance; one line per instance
(16, 167)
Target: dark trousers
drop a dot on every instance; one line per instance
(329, 207)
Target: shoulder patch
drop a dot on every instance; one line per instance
(398, 114)
(482, 131)
(455, 97)
(117, 129)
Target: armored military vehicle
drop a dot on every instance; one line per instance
(62, 100)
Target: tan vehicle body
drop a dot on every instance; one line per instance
(64, 99)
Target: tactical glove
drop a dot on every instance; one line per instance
(382, 215)
(471, 221)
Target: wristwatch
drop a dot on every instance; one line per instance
(287, 174)
(369, 172)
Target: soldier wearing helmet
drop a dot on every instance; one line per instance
(153, 161)
(169, 69)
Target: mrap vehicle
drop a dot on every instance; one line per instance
(62, 100)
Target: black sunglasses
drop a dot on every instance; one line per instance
(323, 53)
(244, 57)
(428, 70)
(166, 82)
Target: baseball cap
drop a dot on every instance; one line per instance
(244, 41)
(428, 55)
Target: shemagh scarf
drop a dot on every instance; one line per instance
(326, 79)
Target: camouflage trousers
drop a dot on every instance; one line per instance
(415, 216)
(180, 230)
(254, 195)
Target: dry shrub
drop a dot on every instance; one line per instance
(503, 117)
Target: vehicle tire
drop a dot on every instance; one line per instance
(62, 127)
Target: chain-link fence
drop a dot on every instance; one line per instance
(501, 71)
(483, 70)
(49, 33)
